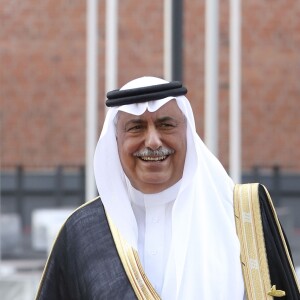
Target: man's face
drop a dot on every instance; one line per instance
(152, 147)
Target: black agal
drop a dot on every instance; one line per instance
(144, 94)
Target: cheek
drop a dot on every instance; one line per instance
(179, 143)
(126, 148)
(127, 144)
(120, 143)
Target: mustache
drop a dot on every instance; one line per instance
(161, 151)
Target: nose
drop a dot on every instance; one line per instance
(153, 138)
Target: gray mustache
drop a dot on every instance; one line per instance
(162, 151)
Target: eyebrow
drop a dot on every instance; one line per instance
(134, 121)
(167, 118)
(158, 120)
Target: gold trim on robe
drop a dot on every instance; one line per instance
(250, 232)
(133, 267)
(253, 250)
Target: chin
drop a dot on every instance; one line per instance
(154, 186)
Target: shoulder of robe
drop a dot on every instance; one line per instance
(90, 211)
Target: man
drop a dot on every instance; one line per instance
(164, 226)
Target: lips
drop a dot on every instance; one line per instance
(153, 158)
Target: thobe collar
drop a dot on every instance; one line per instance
(161, 198)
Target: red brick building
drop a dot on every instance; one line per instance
(43, 95)
(43, 76)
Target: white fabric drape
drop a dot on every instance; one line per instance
(204, 259)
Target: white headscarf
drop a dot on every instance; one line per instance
(204, 258)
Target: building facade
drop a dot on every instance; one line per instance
(43, 76)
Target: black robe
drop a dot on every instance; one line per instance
(280, 270)
(84, 262)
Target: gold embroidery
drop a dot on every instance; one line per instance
(133, 267)
(276, 293)
(250, 232)
(253, 252)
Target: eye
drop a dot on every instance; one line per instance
(166, 125)
(135, 128)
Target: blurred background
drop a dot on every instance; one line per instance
(239, 61)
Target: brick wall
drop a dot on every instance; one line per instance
(271, 90)
(43, 67)
(42, 82)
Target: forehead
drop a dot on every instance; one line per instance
(170, 109)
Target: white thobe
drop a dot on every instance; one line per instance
(153, 213)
